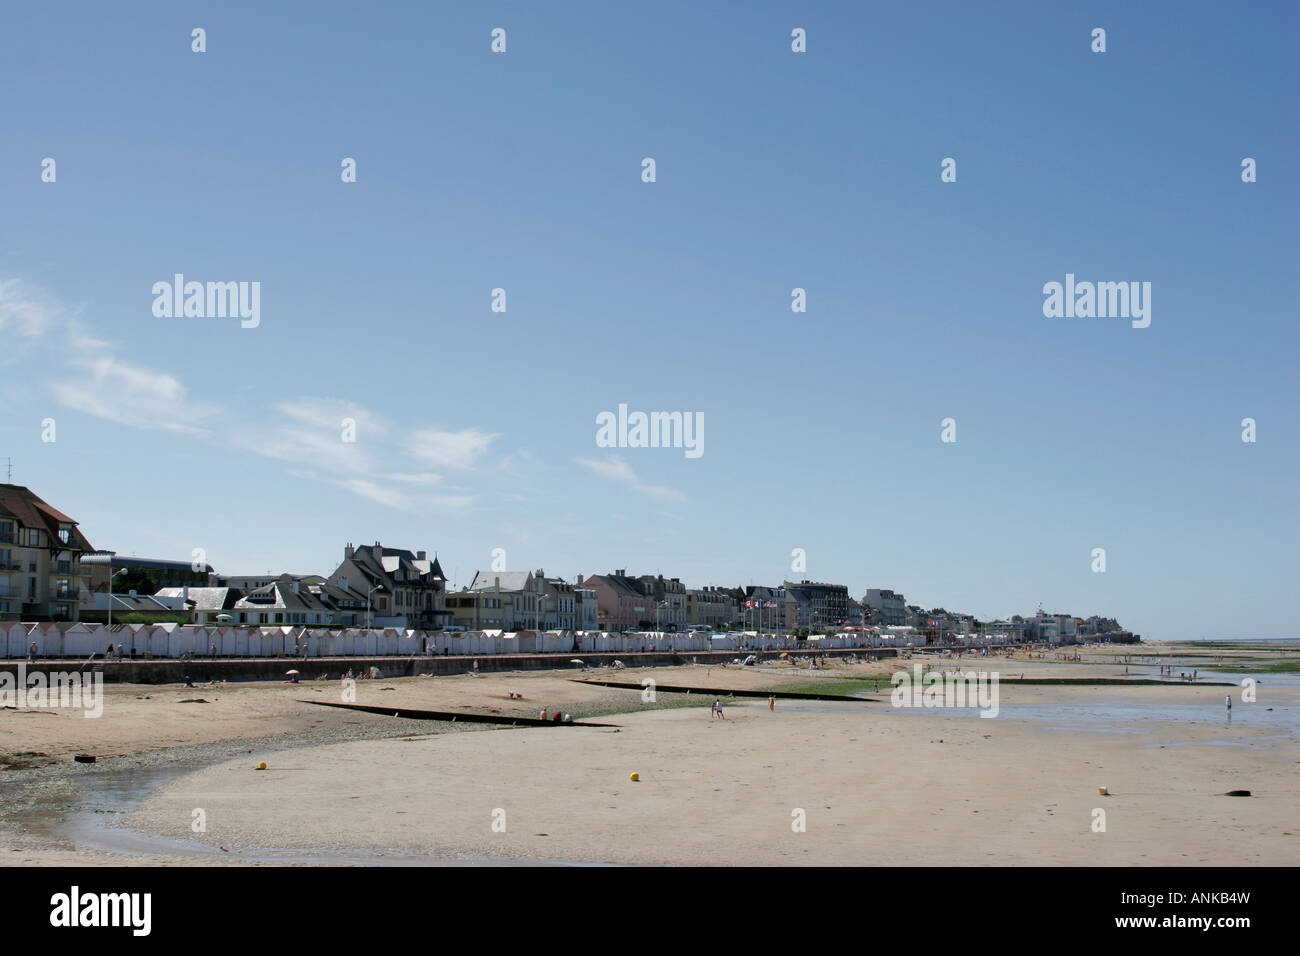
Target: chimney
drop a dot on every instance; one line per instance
(295, 586)
(579, 580)
(621, 572)
(420, 555)
(348, 551)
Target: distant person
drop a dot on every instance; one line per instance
(1228, 703)
(31, 652)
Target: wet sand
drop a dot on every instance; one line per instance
(876, 785)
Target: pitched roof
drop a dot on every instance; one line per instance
(205, 599)
(32, 511)
(620, 583)
(510, 580)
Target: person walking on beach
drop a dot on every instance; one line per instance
(1228, 703)
(717, 709)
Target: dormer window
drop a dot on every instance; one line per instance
(65, 535)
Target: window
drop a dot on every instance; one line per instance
(65, 535)
(33, 538)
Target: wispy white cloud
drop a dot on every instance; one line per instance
(118, 391)
(334, 436)
(22, 312)
(346, 445)
(403, 500)
(616, 469)
(459, 450)
(96, 381)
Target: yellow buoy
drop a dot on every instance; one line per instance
(634, 777)
(261, 766)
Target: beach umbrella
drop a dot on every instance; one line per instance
(291, 672)
(577, 661)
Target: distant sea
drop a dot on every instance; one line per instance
(1232, 640)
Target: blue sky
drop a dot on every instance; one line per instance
(775, 170)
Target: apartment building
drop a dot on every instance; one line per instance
(403, 589)
(500, 600)
(586, 608)
(885, 607)
(822, 606)
(41, 577)
(669, 601)
(559, 605)
(710, 607)
(623, 605)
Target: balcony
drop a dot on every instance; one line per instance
(63, 594)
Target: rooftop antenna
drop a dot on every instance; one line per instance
(10, 479)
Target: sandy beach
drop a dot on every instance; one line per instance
(870, 783)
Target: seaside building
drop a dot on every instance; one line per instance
(586, 608)
(857, 614)
(204, 605)
(824, 606)
(41, 577)
(287, 600)
(1010, 632)
(622, 603)
(404, 590)
(668, 597)
(888, 606)
(136, 583)
(518, 600)
(770, 609)
(559, 605)
(710, 607)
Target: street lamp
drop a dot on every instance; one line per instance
(368, 593)
(112, 574)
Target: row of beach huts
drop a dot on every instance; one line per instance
(144, 641)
